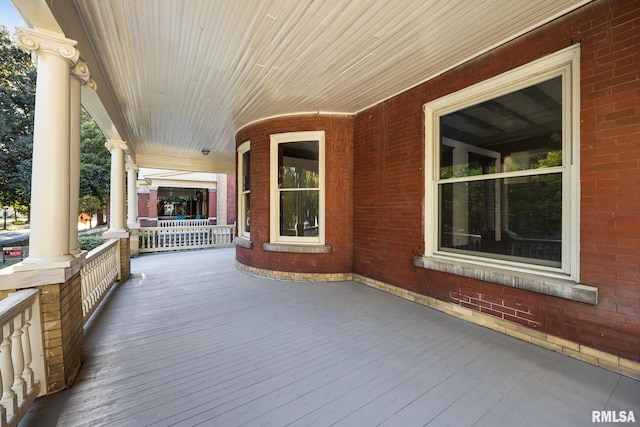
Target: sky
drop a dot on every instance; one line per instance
(9, 16)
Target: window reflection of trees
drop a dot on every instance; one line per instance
(299, 184)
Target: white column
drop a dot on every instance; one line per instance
(116, 208)
(132, 195)
(79, 76)
(460, 201)
(49, 240)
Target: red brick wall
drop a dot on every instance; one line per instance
(389, 188)
(143, 205)
(338, 194)
(232, 211)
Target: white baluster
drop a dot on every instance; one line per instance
(8, 400)
(27, 373)
(17, 356)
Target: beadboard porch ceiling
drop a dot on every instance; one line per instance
(179, 76)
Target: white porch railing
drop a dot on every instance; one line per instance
(182, 222)
(158, 239)
(98, 275)
(22, 370)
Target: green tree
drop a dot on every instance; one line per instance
(17, 105)
(95, 169)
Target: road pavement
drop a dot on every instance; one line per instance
(9, 237)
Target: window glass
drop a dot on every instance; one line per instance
(244, 190)
(246, 165)
(517, 219)
(246, 194)
(518, 131)
(299, 212)
(298, 165)
(299, 181)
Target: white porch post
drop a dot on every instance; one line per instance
(116, 207)
(79, 75)
(132, 195)
(49, 241)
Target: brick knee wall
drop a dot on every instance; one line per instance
(125, 260)
(61, 308)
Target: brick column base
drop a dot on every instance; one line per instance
(62, 329)
(134, 242)
(125, 259)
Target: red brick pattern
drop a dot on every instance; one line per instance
(338, 194)
(232, 211)
(388, 184)
(143, 205)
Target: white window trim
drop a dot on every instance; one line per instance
(566, 63)
(274, 202)
(243, 148)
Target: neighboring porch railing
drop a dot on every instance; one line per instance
(22, 367)
(182, 222)
(98, 275)
(158, 239)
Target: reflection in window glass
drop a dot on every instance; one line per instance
(509, 218)
(518, 131)
(481, 211)
(299, 188)
(299, 212)
(246, 191)
(298, 165)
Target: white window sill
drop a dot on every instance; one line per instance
(297, 248)
(567, 289)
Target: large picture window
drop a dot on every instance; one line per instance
(244, 190)
(297, 177)
(502, 170)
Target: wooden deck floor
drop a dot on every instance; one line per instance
(189, 340)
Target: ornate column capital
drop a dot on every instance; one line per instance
(91, 84)
(81, 72)
(43, 41)
(113, 144)
(131, 166)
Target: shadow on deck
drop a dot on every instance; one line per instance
(188, 340)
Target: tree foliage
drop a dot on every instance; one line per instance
(17, 105)
(95, 168)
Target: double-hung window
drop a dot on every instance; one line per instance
(502, 170)
(297, 184)
(244, 189)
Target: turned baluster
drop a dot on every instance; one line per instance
(17, 355)
(27, 374)
(8, 400)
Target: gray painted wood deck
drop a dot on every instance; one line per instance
(189, 340)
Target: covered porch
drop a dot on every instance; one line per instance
(189, 340)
